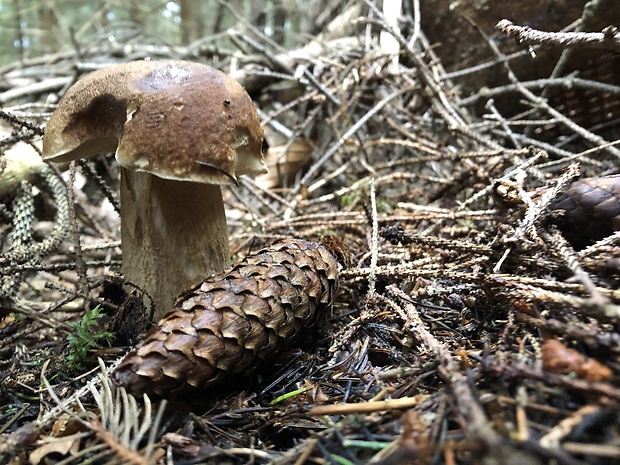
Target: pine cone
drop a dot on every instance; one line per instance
(232, 321)
(590, 210)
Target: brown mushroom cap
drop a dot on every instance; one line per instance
(161, 117)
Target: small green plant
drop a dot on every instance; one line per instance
(86, 337)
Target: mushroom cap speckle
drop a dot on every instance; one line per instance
(175, 119)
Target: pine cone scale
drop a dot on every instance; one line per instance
(231, 356)
(178, 341)
(206, 321)
(209, 348)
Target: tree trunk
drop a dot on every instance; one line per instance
(224, 19)
(135, 13)
(19, 32)
(279, 21)
(50, 28)
(192, 26)
(258, 14)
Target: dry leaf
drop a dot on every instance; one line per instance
(52, 445)
(557, 358)
(284, 163)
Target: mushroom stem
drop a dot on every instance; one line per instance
(174, 234)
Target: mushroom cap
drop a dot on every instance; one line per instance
(175, 119)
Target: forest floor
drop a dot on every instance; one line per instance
(477, 320)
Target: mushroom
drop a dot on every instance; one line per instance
(179, 129)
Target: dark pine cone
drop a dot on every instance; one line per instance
(233, 321)
(589, 210)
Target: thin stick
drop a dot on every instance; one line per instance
(524, 35)
(374, 243)
(366, 407)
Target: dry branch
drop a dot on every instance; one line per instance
(524, 35)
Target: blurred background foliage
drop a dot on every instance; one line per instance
(30, 28)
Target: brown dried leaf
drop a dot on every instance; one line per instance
(415, 445)
(284, 163)
(187, 447)
(50, 445)
(557, 358)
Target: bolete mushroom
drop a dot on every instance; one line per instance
(179, 129)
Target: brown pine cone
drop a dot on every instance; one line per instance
(589, 210)
(232, 321)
